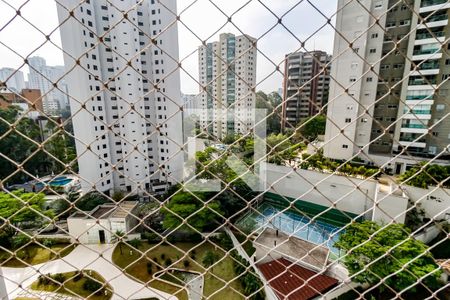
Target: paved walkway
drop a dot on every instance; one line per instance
(45, 295)
(88, 257)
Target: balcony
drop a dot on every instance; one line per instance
(419, 126)
(426, 3)
(294, 66)
(417, 112)
(422, 82)
(429, 35)
(413, 144)
(419, 97)
(426, 51)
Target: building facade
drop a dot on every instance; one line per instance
(306, 84)
(124, 93)
(190, 104)
(390, 94)
(27, 99)
(13, 78)
(44, 78)
(227, 71)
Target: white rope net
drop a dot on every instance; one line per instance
(115, 186)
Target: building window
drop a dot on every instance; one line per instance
(345, 146)
(348, 120)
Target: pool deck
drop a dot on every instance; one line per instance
(272, 244)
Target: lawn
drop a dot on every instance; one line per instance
(34, 254)
(188, 256)
(73, 285)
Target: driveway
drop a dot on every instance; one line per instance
(88, 257)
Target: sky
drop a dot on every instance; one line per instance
(25, 35)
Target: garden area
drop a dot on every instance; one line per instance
(34, 254)
(220, 281)
(187, 256)
(86, 284)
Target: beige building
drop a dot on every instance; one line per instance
(227, 74)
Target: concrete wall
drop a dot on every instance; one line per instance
(340, 192)
(435, 201)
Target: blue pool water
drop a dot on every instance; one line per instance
(57, 181)
(316, 232)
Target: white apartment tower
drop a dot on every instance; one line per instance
(390, 87)
(227, 74)
(13, 78)
(124, 87)
(50, 80)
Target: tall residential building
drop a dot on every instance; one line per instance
(44, 78)
(125, 93)
(190, 104)
(13, 78)
(227, 71)
(392, 84)
(306, 84)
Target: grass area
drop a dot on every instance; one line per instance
(75, 285)
(188, 256)
(34, 254)
(247, 245)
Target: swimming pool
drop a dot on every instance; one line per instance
(57, 181)
(317, 232)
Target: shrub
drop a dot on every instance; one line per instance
(92, 286)
(168, 262)
(78, 276)
(20, 240)
(149, 268)
(23, 254)
(48, 243)
(186, 263)
(163, 256)
(59, 277)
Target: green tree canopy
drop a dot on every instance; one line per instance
(394, 249)
(431, 175)
(197, 214)
(271, 103)
(90, 201)
(23, 207)
(313, 127)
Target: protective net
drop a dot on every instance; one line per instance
(310, 159)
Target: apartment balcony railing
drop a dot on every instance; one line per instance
(432, 3)
(418, 126)
(422, 82)
(419, 97)
(417, 112)
(428, 66)
(428, 35)
(435, 18)
(426, 51)
(412, 139)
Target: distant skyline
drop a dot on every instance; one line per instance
(201, 17)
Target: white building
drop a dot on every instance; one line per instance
(14, 79)
(390, 87)
(125, 93)
(227, 71)
(190, 104)
(102, 223)
(43, 77)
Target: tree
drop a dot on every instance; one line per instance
(136, 243)
(313, 127)
(394, 249)
(210, 258)
(280, 148)
(18, 143)
(90, 201)
(271, 103)
(185, 206)
(430, 175)
(118, 236)
(21, 207)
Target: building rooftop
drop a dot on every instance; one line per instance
(307, 253)
(293, 282)
(109, 210)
